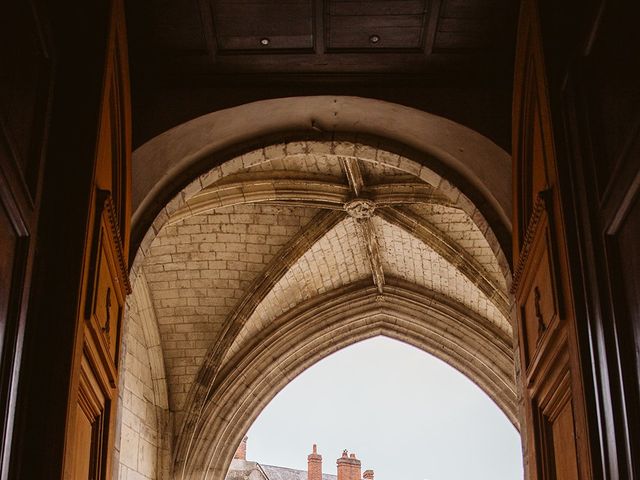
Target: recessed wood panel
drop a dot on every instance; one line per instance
(82, 467)
(375, 25)
(91, 430)
(564, 444)
(24, 87)
(107, 303)
(611, 79)
(470, 25)
(8, 247)
(539, 306)
(109, 286)
(11, 259)
(243, 25)
(627, 241)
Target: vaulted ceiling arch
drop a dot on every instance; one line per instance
(322, 326)
(258, 236)
(166, 163)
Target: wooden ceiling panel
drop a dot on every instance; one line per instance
(436, 38)
(263, 25)
(477, 25)
(377, 7)
(168, 24)
(469, 25)
(470, 8)
(378, 24)
(448, 41)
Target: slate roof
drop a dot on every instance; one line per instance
(283, 473)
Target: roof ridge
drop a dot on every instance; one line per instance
(291, 469)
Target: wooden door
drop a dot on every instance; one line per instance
(594, 85)
(25, 93)
(91, 410)
(554, 414)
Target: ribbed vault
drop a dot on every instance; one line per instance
(326, 324)
(271, 261)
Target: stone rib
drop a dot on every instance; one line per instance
(449, 250)
(373, 252)
(351, 168)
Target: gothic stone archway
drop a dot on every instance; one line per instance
(254, 245)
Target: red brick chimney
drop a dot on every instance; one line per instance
(368, 475)
(241, 452)
(344, 467)
(314, 465)
(349, 467)
(356, 467)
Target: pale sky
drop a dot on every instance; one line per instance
(404, 413)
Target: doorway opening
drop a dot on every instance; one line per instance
(405, 414)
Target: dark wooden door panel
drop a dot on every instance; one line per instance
(90, 426)
(8, 247)
(564, 444)
(628, 246)
(25, 88)
(25, 82)
(594, 86)
(555, 422)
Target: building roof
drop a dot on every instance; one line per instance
(283, 473)
(247, 470)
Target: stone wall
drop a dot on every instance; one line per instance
(144, 429)
(200, 269)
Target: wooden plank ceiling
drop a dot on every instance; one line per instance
(322, 36)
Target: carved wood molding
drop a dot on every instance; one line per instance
(105, 206)
(541, 205)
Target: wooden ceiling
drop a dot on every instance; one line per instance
(449, 57)
(322, 36)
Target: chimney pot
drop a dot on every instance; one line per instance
(348, 467)
(344, 466)
(314, 464)
(368, 475)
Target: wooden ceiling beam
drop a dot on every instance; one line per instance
(208, 28)
(318, 27)
(431, 29)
